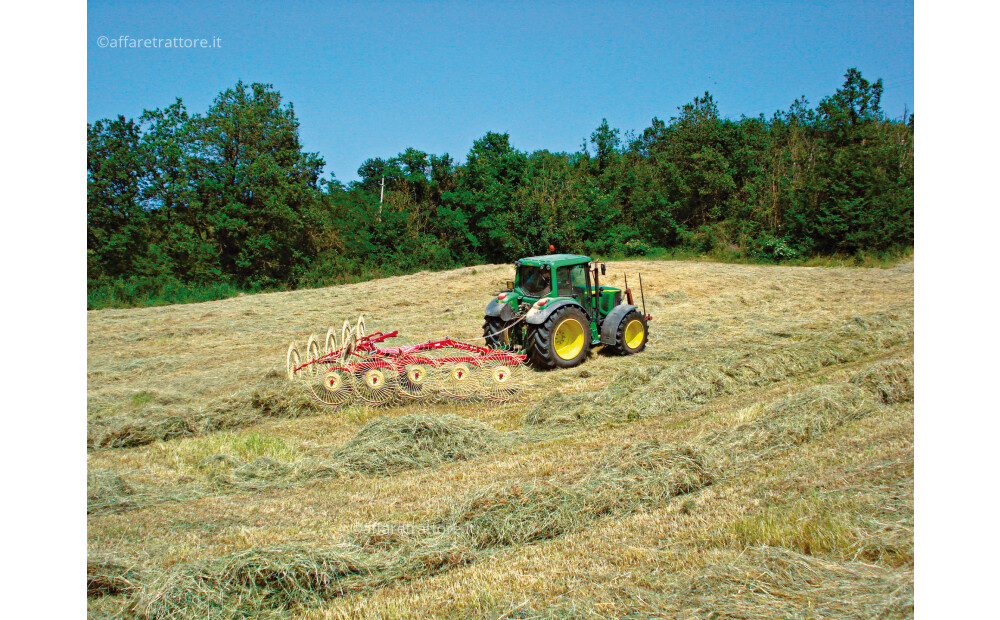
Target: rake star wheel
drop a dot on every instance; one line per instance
(292, 361)
(361, 370)
(334, 387)
(312, 354)
(373, 382)
(460, 379)
(501, 378)
(330, 344)
(345, 332)
(359, 327)
(416, 381)
(347, 346)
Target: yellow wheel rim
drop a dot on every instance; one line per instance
(634, 334)
(334, 381)
(416, 374)
(374, 378)
(460, 372)
(568, 339)
(501, 374)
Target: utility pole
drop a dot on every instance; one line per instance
(381, 195)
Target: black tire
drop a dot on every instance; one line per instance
(497, 336)
(621, 346)
(540, 339)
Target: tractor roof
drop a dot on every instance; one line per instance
(555, 260)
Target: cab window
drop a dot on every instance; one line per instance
(572, 281)
(533, 281)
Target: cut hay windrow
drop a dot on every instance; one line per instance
(627, 480)
(649, 391)
(631, 480)
(891, 380)
(384, 446)
(275, 578)
(109, 576)
(292, 576)
(108, 492)
(391, 444)
(851, 524)
(271, 397)
(797, 418)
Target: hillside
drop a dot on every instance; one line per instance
(756, 461)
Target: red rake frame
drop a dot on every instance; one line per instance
(398, 357)
(377, 375)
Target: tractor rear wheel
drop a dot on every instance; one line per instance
(497, 334)
(561, 341)
(632, 333)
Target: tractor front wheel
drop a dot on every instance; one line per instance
(632, 333)
(561, 341)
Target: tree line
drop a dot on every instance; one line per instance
(185, 207)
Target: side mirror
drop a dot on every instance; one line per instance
(510, 285)
(604, 269)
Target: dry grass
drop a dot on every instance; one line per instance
(763, 439)
(273, 578)
(891, 380)
(389, 445)
(772, 582)
(384, 446)
(798, 418)
(272, 396)
(632, 479)
(109, 576)
(285, 576)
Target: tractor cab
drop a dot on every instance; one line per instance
(566, 287)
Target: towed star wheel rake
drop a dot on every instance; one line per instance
(357, 369)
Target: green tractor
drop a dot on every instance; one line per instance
(555, 310)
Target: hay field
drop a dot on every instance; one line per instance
(756, 461)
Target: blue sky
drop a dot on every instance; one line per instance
(371, 79)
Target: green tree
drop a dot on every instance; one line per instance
(117, 222)
(492, 173)
(257, 187)
(859, 194)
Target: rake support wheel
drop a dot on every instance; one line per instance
(330, 345)
(312, 354)
(292, 361)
